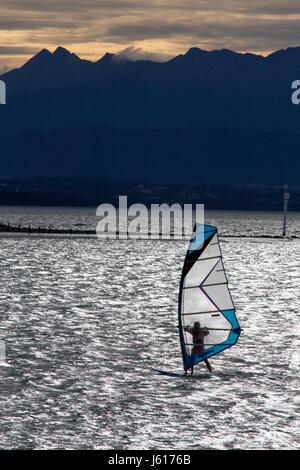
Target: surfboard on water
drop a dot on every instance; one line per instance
(183, 374)
(205, 300)
(172, 374)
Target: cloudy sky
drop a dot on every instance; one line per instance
(155, 29)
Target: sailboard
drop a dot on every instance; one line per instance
(205, 301)
(172, 374)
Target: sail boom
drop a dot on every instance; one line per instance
(199, 313)
(212, 344)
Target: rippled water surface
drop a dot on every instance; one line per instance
(84, 321)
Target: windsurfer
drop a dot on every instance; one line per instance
(198, 334)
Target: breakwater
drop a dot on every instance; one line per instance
(7, 228)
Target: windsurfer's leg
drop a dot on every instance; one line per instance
(192, 370)
(208, 365)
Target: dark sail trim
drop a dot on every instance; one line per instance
(192, 257)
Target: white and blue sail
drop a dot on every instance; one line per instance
(204, 297)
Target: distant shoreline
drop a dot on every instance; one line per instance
(75, 192)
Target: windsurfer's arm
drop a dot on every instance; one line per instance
(188, 329)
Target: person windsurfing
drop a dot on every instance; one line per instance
(198, 334)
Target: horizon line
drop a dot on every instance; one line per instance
(121, 54)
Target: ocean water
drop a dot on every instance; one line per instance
(84, 321)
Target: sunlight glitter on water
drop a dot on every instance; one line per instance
(84, 321)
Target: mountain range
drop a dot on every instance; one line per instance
(212, 89)
(181, 119)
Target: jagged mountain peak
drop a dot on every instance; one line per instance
(62, 51)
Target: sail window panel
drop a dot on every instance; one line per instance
(199, 271)
(218, 329)
(194, 300)
(212, 249)
(188, 348)
(203, 318)
(215, 337)
(217, 276)
(206, 320)
(220, 296)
